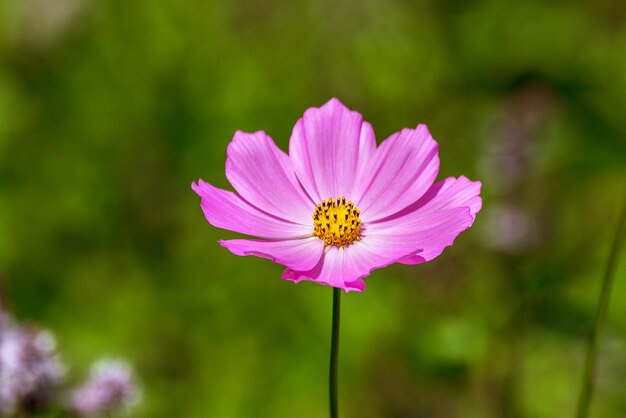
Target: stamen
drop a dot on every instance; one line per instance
(336, 222)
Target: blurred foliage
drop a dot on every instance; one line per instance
(109, 109)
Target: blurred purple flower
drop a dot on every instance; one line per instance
(30, 368)
(39, 24)
(508, 154)
(509, 228)
(512, 134)
(111, 388)
(5, 320)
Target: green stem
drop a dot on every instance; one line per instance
(334, 353)
(605, 295)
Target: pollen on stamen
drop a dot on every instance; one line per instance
(336, 222)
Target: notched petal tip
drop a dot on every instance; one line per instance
(354, 286)
(472, 191)
(241, 135)
(243, 140)
(333, 101)
(199, 187)
(333, 107)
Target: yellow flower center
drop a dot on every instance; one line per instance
(336, 222)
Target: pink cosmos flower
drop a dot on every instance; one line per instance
(338, 206)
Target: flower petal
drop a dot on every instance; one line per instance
(298, 254)
(264, 176)
(402, 169)
(328, 147)
(346, 267)
(228, 210)
(426, 233)
(331, 270)
(430, 224)
(446, 194)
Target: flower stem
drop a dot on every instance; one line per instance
(334, 353)
(605, 294)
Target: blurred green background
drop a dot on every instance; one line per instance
(110, 109)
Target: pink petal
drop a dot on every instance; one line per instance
(297, 254)
(346, 267)
(264, 176)
(426, 233)
(456, 192)
(329, 146)
(331, 270)
(228, 210)
(432, 223)
(445, 194)
(402, 169)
